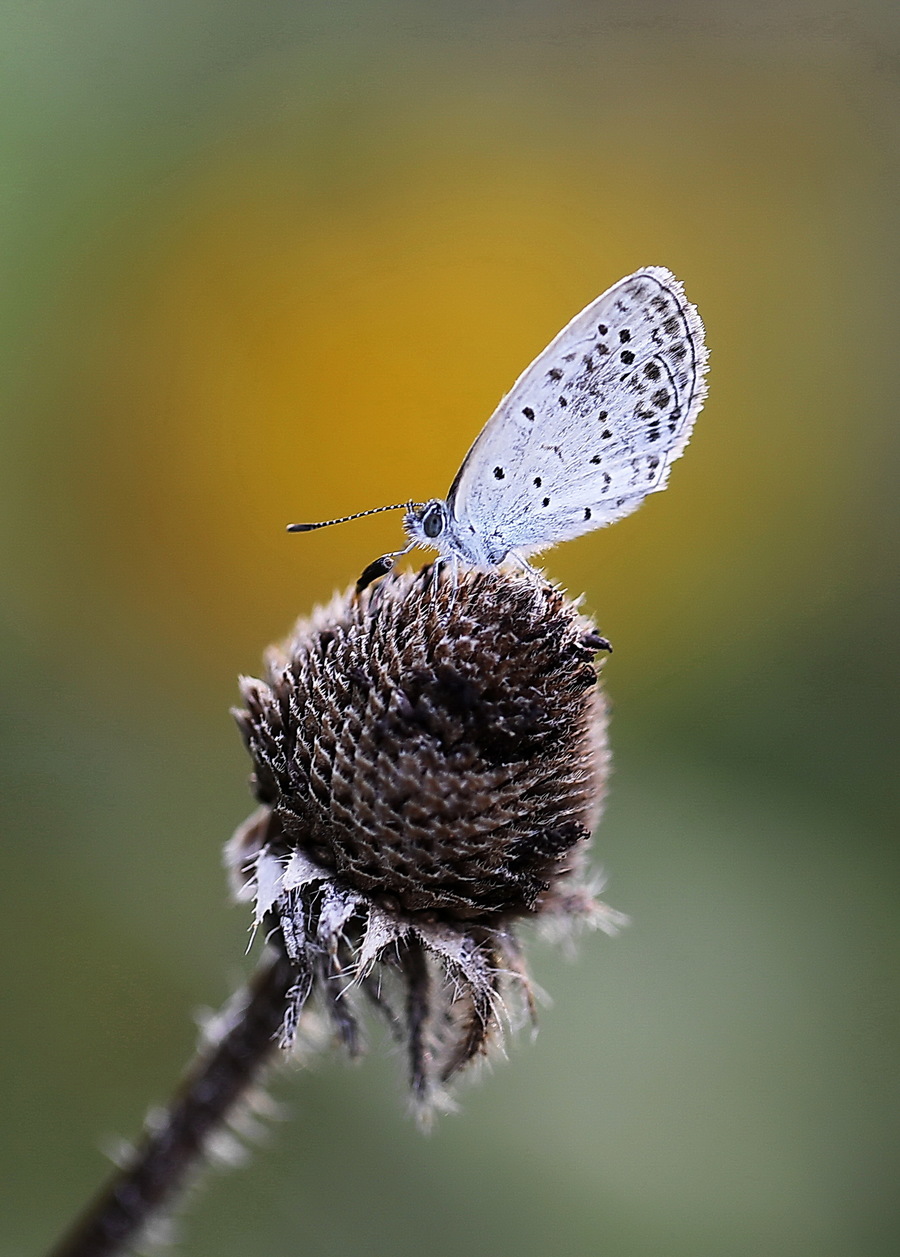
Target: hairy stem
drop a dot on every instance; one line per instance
(176, 1143)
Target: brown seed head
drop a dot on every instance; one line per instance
(429, 766)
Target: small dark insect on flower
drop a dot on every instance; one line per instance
(429, 769)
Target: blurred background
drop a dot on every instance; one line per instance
(276, 262)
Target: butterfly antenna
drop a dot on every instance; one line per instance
(326, 523)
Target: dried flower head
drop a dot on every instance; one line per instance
(429, 767)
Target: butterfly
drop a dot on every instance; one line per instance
(587, 431)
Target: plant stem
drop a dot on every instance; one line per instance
(176, 1143)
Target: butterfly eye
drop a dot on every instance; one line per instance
(433, 521)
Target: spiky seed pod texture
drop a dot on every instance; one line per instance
(429, 765)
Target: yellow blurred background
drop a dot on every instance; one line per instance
(277, 262)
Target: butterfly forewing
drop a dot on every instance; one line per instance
(592, 426)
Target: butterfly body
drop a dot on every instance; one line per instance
(433, 525)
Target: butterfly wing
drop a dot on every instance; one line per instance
(593, 425)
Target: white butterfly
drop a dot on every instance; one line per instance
(585, 433)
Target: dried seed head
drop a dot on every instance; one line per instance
(429, 767)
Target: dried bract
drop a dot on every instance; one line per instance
(429, 766)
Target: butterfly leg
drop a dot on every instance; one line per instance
(437, 568)
(380, 567)
(442, 561)
(534, 572)
(454, 578)
(453, 562)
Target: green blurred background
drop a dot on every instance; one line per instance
(276, 261)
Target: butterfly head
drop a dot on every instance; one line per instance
(427, 524)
